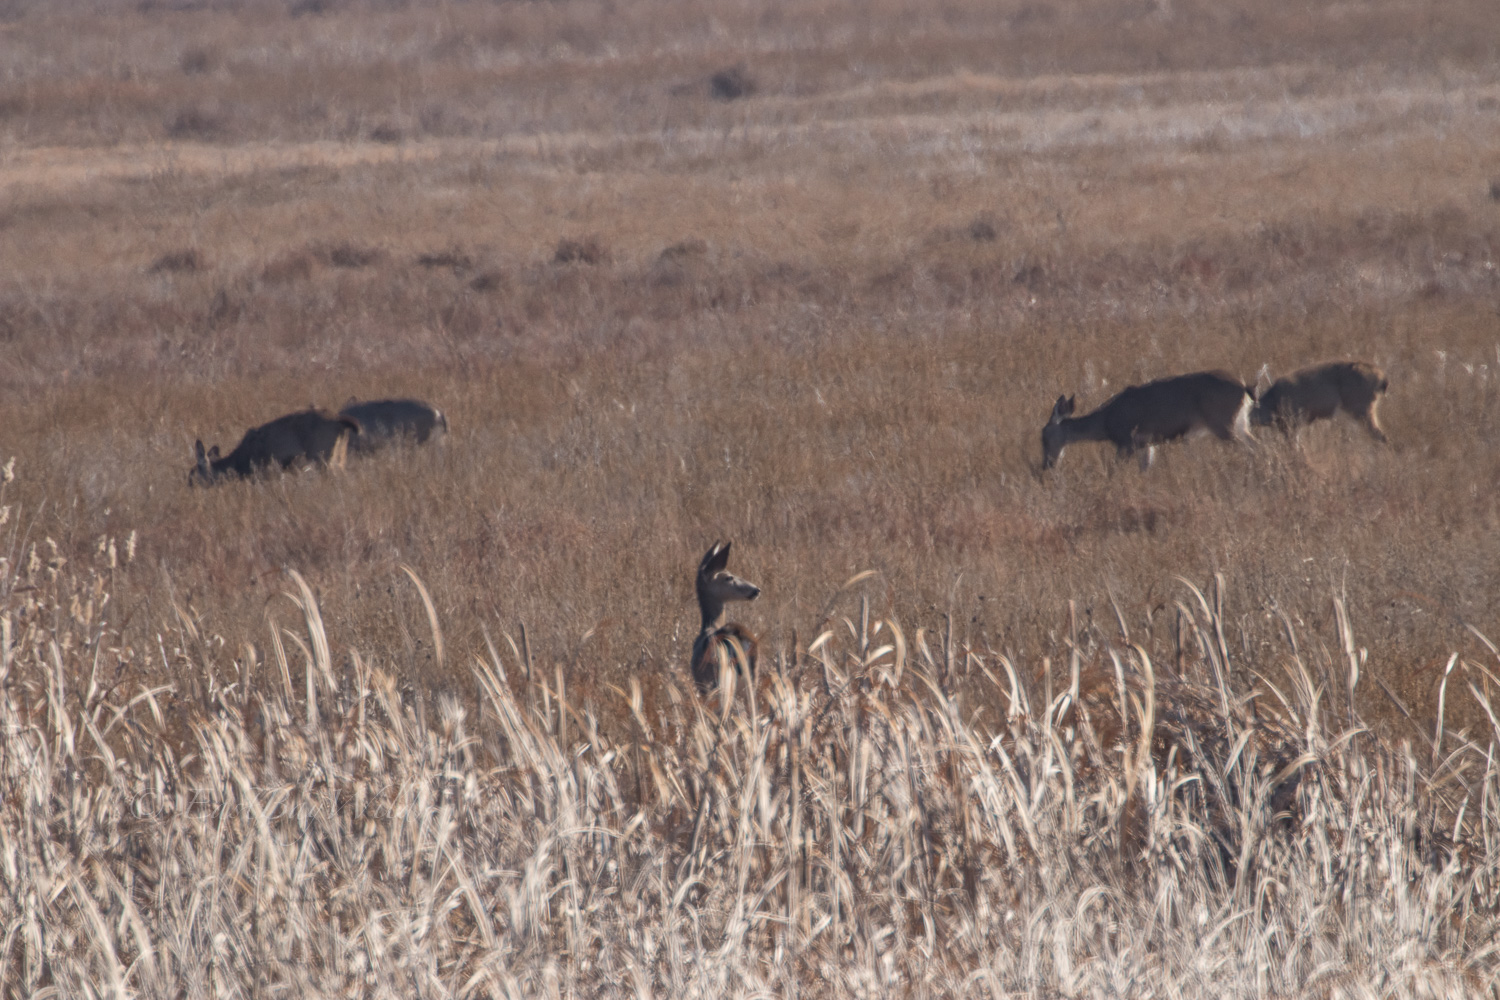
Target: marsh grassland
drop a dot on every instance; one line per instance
(809, 277)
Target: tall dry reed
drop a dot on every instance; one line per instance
(859, 822)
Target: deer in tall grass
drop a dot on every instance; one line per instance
(1317, 393)
(383, 421)
(1143, 416)
(717, 587)
(309, 435)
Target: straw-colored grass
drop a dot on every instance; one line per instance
(851, 826)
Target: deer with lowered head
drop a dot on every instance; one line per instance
(308, 435)
(1143, 416)
(716, 587)
(1317, 393)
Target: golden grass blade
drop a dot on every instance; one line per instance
(432, 618)
(321, 660)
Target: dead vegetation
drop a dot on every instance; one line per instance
(850, 822)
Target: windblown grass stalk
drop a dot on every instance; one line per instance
(874, 827)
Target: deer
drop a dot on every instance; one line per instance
(1317, 393)
(717, 587)
(309, 435)
(1143, 416)
(383, 421)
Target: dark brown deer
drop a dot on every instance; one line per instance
(717, 587)
(1317, 393)
(309, 435)
(1144, 416)
(383, 421)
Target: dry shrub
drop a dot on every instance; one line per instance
(453, 258)
(197, 123)
(983, 229)
(582, 251)
(288, 267)
(488, 281)
(731, 84)
(387, 132)
(197, 60)
(1030, 275)
(684, 250)
(347, 254)
(183, 261)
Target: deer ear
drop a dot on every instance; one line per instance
(198, 451)
(715, 559)
(1062, 408)
(213, 453)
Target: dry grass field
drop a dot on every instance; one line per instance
(808, 277)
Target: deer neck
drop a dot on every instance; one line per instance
(1089, 427)
(712, 610)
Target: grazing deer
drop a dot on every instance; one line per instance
(717, 587)
(383, 421)
(309, 434)
(1317, 393)
(1143, 416)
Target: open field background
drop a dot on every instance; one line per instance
(806, 277)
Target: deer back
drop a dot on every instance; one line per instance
(383, 421)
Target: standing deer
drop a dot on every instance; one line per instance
(1317, 393)
(1144, 416)
(310, 435)
(382, 421)
(717, 587)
